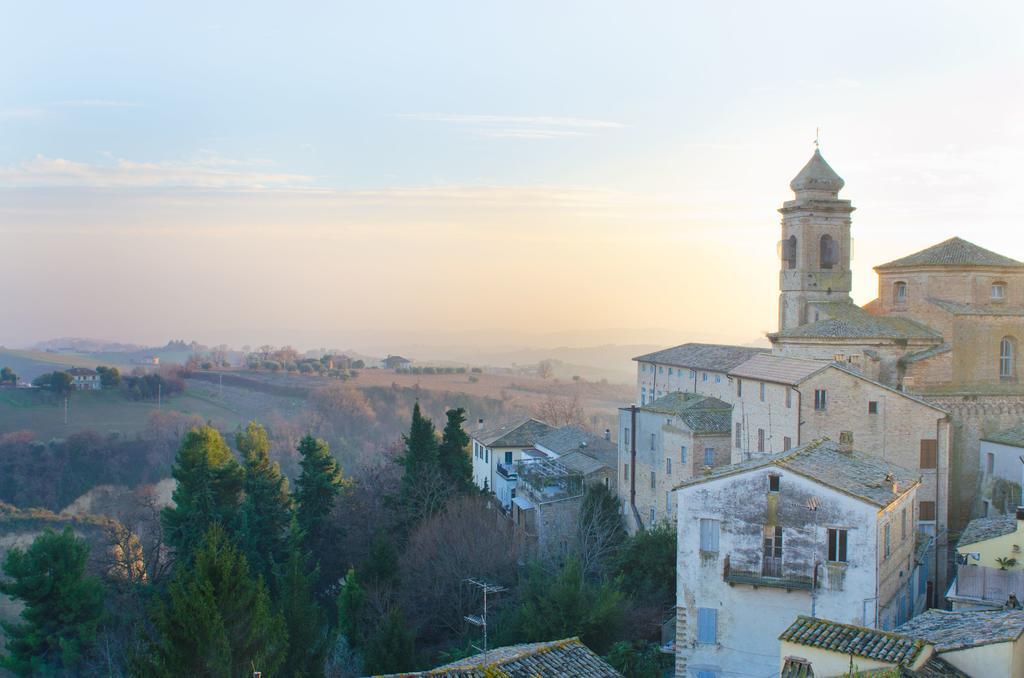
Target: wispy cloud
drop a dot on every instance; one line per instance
(206, 171)
(518, 126)
(98, 103)
(22, 113)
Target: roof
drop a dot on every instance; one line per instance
(929, 352)
(81, 372)
(1010, 436)
(702, 414)
(855, 640)
(578, 461)
(571, 439)
(817, 175)
(935, 667)
(567, 657)
(983, 529)
(522, 502)
(522, 433)
(714, 357)
(953, 252)
(796, 667)
(920, 401)
(855, 473)
(779, 369)
(958, 308)
(846, 320)
(949, 631)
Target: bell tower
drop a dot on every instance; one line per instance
(815, 245)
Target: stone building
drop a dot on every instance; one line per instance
(821, 529)
(689, 368)
(675, 438)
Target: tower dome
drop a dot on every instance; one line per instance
(818, 177)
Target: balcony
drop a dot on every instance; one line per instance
(986, 586)
(771, 575)
(546, 480)
(506, 471)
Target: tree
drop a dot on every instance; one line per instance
(308, 636)
(63, 606)
(599, 532)
(209, 490)
(637, 659)
(217, 620)
(60, 383)
(266, 511)
(546, 369)
(390, 648)
(7, 376)
(110, 377)
(647, 562)
(319, 484)
(425, 488)
(351, 600)
(453, 453)
(561, 411)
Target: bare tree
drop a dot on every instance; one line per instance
(560, 411)
(599, 531)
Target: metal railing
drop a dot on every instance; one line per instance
(988, 583)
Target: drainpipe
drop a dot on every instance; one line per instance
(799, 414)
(938, 485)
(632, 467)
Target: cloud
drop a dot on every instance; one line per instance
(98, 103)
(206, 171)
(518, 126)
(22, 113)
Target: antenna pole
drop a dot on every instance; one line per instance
(481, 621)
(65, 410)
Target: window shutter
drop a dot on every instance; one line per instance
(707, 625)
(929, 452)
(709, 530)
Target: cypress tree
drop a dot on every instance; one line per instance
(266, 511)
(217, 621)
(63, 606)
(350, 609)
(453, 454)
(420, 449)
(308, 636)
(390, 648)
(209, 490)
(316, 491)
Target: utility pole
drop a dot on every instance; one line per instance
(221, 379)
(812, 506)
(65, 410)
(159, 395)
(481, 620)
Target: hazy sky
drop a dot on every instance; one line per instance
(324, 173)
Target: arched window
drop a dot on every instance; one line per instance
(1007, 348)
(998, 291)
(789, 251)
(829, 255)
(899, 292)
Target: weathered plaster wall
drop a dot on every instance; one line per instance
(772, 415)
(996, 660)
(653, 379)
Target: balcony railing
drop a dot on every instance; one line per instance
(780, 579)
(771, 567)
(988, 584)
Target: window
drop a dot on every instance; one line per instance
(829, 252)
(789, 252)
(487, 455)
(739, 388)
(652, 441)
(670, 371)
(872, 407)
(985, 506)
(899, 292)
(787, 443)
(887, 549)
(508, 457)
(668, 503)
(1006, 350)
(819, 399)
(836, 545)
(739, 434)
(760, 440)
(998, 291)
(653, 479)
(903, 524)
(625, 471)
(990, 462)
(709, 456)
(929, 452)
(625, 436)
(704, 376)
(682, 454)
(789, 397)
(652, 515)
(771, 566)
(707, 625)
(661, 369)
(761, 393)
(668, 466)
(709, 529)
(927, 510)
(773, 482)
(718, 379)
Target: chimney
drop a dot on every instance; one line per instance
(479, 424)
(846, 442)
(607, 434)
(1020, 513)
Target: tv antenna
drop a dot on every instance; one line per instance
(481, 620)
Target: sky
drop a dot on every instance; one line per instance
(351, 173)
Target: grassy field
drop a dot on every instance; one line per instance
(102, 411)
(30, 364)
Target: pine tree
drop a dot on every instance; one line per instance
(420, 449)
(209, 490)
(217, 621)
(350, 609)
(63, 606)
(453, 454)
(390, 648)
(266, 511)
(309, 638)
(316, 490)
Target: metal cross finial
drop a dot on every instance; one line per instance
(817, 138)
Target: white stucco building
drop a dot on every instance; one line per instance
(820, 529)
(1002, 471)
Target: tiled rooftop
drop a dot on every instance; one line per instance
(856, 640)
(702, 414)
(926, 353)
(714, 357)
(558, 659)
(778, 369)
(572, 439)
(523, 433)
(935, 667)
(1010, 436)
(847, 320)
(796, 667)
(957, 308)
(854, 473)
(981, 529)
(952, 252)
(957, 630)
(578, 461)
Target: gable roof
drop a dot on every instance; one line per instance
(856, 474)
(856, 640)
(949, 631)
(567, 657)
(702, 414)
(796, 667)
(778, 369)
(983, 529)
(523, 433)
(846, 320)
(578, 461)
(714, 357)
(952, 252)
(81, 372)
(568, 439)
(1010, 436)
